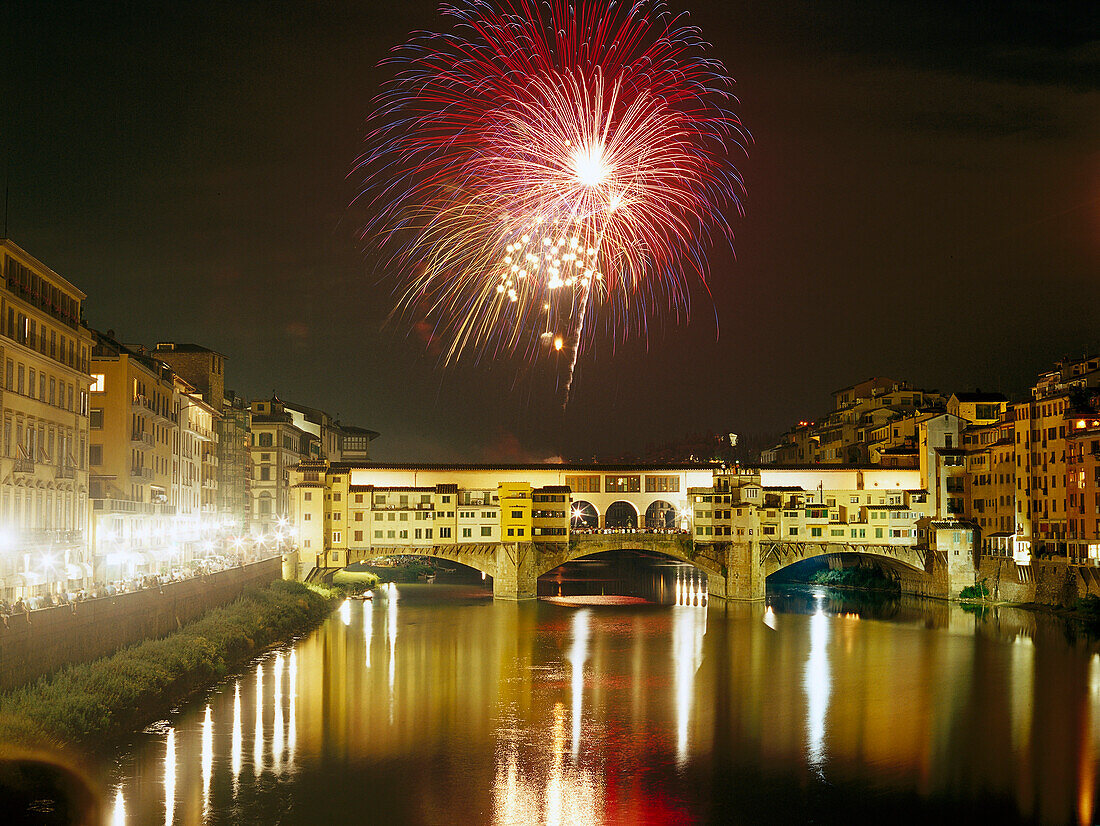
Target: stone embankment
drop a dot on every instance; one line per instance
(38, 643)
(88, 702)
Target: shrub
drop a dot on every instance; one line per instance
(977, 591)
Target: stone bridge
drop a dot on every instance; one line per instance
(735, 570)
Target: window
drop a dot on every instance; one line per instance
(309, 496)
(378, 534)
(95, 418)
(265, 440)
(336, 536)
(337, 515)
(358, 536)
(444, 533)
(662, 484)
(517, 514)
(793, 531)
(265, 474)
(358, 516)
(97, 382)
(336, 497)
(359, 499)
(95, 455)
(622, 484)
(486, 530)
(583, 484)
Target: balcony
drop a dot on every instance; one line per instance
(66, 472)
(201, 432)
(22, 466)
(143, 438)
(126, 506)
(141, 472)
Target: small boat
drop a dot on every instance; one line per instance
(364, 595)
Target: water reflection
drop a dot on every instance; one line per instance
(277, 731)
(258, 736)
(577, 655)
(549, 713)
(170, 777)
(817, 684)
(118, 813)
(237, 746)
(567, 794)
(689, 628)
(207, 761)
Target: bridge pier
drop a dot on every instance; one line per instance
(744, 574)
(516, 571)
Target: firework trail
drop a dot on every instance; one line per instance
(542, 169)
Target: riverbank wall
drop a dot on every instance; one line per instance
(1052, 582)
(38, 643)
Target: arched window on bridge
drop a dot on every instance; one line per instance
(584, 516)
(621, 515)
(661, 515)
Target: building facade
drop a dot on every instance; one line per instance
(44, 466)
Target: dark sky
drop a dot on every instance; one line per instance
(923, 202)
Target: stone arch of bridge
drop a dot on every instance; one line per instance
(671, 547)
(481, 558)
(901, 562)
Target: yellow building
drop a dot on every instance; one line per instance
(978, 408)
(43, 469)
(277, 447)
(133, 456)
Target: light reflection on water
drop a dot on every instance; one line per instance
(540, 713)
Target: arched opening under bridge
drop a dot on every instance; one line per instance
(625, 576)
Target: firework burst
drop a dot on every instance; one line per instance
(542, 167)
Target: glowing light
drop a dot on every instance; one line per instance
(237, 743)
(170, 777)
(558, 342)
(277, 704)
(118, 813)
(577, 655)
(604, 170)
(817, 683)
(207, 760)
(258, 738)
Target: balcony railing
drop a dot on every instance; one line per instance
(141, 472)
(66, 472)
(23, 466)
(145, 438)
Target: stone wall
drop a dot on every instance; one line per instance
(39, 642)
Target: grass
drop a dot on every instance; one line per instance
(136, 685)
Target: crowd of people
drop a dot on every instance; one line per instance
(137, 582)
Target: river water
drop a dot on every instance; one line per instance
(435, 704)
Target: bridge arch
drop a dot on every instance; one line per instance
(584, 515)
(904, 562)
(673, 546)
(621, 514)
(481, 558)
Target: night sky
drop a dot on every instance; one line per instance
(923, 202)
